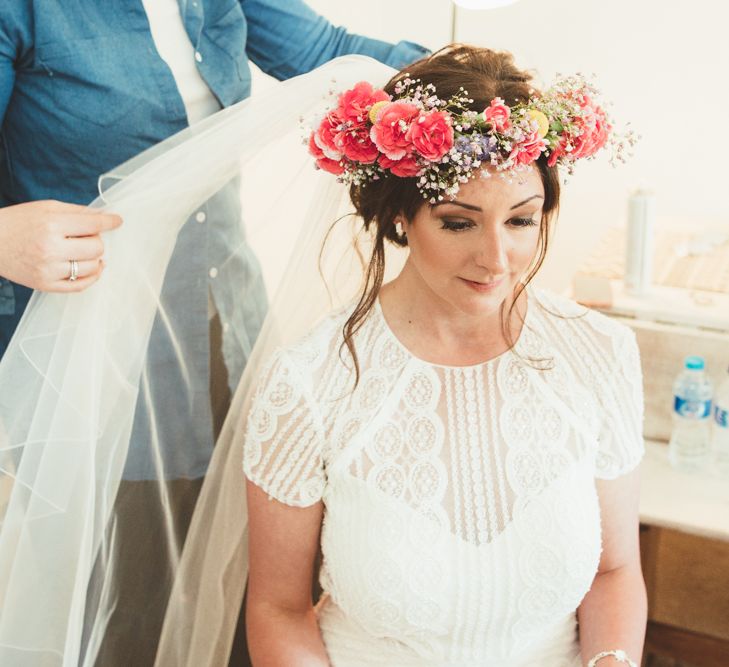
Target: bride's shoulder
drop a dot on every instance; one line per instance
(568, 315)
(553, 304)
(309, 351)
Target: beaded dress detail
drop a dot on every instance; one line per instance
(461, 521)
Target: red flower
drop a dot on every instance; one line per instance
(325, 136)
(432, 135)
(405, 167)
(357, 145)
(323, 162)
(390, 130)
(354, 104)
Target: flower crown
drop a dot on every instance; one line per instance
(443, 143)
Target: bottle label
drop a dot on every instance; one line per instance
(721, 417)
(692, 409)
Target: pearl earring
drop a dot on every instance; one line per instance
(399, 230)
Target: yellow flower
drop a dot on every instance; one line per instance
(542, 122)
(375, 109)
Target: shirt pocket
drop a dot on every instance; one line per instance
(91, 79)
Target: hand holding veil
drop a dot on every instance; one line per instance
(70, 380)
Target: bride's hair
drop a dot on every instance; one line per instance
(484, 74)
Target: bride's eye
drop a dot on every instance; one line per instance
(522, 222)
(457, 225)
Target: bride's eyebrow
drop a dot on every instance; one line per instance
(521, 203)
(470, 207)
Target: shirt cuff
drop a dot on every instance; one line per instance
(404, 53)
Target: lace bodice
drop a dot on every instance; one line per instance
(461, 518)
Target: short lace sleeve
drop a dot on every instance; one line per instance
(621, 445)
(283, 443)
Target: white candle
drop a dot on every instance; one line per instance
(639, 242)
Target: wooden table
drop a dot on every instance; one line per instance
(685, 555)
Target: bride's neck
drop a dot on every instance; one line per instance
(434, 329)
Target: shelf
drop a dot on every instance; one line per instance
(697, 504)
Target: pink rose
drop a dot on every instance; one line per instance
(323, 162)
(390, 131)
(602, 129)
(583, 99)
(497, 113)
(528, 150)
(432, 135)
(589, 128)
(325, 136)
(557, 152)
(357, 145)
(405, 167)
(594, 134)
(590, 133)
(354, 104)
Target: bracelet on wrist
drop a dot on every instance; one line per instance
(618, 654)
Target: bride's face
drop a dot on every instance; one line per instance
(471, 252)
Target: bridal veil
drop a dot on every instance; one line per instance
(73, 373)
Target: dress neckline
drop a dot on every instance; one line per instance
(481, 364)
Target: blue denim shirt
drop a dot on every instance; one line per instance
(83, 89)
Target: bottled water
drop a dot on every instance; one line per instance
(720, 437)
(688, 449)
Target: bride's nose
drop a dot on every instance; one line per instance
(490, 253)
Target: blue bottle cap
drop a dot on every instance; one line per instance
(694, 363)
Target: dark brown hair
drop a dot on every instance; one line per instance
(484, 74)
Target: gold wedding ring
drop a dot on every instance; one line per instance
(74, 270)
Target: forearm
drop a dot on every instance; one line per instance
(282, 637)
(613, 615)
(272, 22)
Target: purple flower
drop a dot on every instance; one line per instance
(487, 144)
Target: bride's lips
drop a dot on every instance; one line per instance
(483, 287)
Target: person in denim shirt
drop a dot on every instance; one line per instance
(83, 90)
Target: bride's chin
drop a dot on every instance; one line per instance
(481, 305)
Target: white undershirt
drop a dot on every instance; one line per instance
(176, 49)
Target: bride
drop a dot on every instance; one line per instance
(459, 445)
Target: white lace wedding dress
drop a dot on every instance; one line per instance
(461, 523)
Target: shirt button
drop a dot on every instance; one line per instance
(226, 326)
(200, 216)
(213, 272)
(198, 56)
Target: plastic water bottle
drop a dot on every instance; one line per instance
(688, 449)
(720, 436)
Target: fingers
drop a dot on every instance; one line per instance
(88, 273)
(82, 248)
(79, 285)
(77, 220)
(85, 268)
(90, 223)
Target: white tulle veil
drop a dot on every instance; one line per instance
(71, 377)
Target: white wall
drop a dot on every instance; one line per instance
(663, 64)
